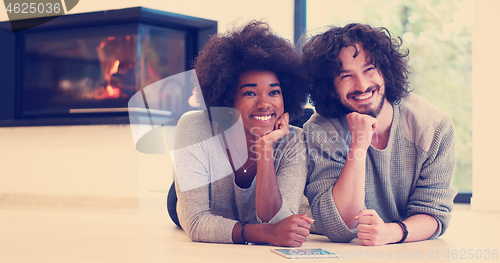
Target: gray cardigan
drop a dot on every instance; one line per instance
(410, 176)
(209, 202)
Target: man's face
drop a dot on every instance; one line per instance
(360, 86)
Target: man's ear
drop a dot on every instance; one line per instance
(333, 94)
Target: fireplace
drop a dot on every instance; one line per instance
(84, 68)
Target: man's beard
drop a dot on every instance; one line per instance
(374, 112)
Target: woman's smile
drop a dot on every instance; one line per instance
(259, 100)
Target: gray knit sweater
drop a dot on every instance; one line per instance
(209, 201)
(410, 176)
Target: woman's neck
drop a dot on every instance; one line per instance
(242, 157)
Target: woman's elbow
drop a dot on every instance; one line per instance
(191, 229)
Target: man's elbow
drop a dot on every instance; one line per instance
(336, 236)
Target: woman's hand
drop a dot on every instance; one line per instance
(291, 231)
(281, 129)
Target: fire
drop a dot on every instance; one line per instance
(109, 92)
(114, 69)
(116, 60)
(113, 92)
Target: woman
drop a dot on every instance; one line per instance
(239, 164)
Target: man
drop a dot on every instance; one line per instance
(381, 158)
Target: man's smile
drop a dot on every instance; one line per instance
(364, 96)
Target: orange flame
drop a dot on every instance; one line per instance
(114, 68)
(113, 92)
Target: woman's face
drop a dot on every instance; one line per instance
(259, 100)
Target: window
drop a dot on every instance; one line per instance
(439, 37)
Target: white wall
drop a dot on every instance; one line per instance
(79, 162)
(98, 165)
(30, 158)
(279, 13)
(486, 91)
(70, 166)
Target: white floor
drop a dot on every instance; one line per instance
(128, 235)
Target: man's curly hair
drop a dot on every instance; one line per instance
(226, 56)
(320, 58)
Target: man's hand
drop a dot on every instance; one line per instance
(372, 231)
(362, 127)
(349, 190)
(291, 231)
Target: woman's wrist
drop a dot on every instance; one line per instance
(258, 233)
(243, 233)
(262, 145)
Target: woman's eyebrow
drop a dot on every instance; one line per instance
(248, 85)
(255, 85)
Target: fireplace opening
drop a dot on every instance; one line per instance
(88, 66)
(87, 70)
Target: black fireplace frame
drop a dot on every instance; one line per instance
(12, 48)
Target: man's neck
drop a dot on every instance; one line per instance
(384, 122)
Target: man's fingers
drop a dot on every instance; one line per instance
(366, 212)
(362, 235)
(362, 228)
(354, 118)
(367, 216)
(367, 242)
(367, 220)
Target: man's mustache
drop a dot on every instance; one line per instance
(369, 89)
